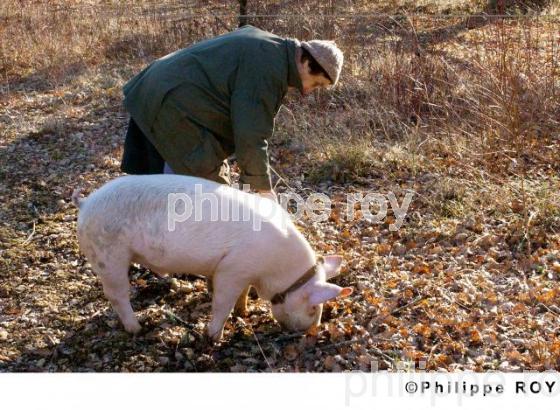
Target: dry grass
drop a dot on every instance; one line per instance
(464, 111)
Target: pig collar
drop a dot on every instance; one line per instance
(280, 297)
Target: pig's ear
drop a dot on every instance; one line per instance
(331, 265)
(320, 293)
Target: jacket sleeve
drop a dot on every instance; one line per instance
(254, 104)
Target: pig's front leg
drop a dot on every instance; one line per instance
(223, 299)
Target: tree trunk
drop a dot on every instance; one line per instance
(242, 13)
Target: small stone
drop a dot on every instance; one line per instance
(399, 249)
(480, 360)
(175, 284)
(504, 366)
(365, 361)
(507, 306)
(492, 264)
(384, 365)
(186, 287)
(112, 323)
(163, 360)
(189, 353)
(291, 352)
(329, 363)
(3, 334)
(487, 241)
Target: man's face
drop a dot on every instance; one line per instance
(309, 81)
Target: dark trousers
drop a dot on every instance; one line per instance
(139, 155)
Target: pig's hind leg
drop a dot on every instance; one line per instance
(114, 278)
(241, 304)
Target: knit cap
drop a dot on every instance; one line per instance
(328, 55)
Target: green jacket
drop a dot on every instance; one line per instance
(200, 104)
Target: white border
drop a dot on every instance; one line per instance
(264, 391)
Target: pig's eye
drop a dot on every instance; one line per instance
(312, 310)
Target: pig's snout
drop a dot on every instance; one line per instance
(299, 319)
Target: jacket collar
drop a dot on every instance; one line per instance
(294, 80)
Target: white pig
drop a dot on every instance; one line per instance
(236, 238)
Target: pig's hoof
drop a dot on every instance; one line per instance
(214, 336)
(133, 327)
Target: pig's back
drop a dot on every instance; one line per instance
(133, 210)
(137, 197)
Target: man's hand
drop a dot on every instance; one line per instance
(268, 194)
